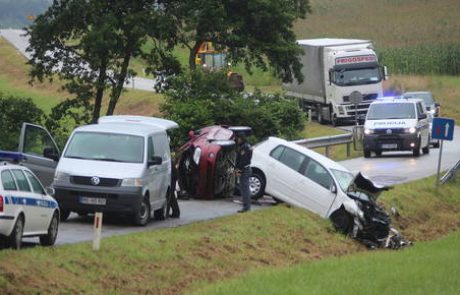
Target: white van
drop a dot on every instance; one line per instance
(396, 125)
(120, 165)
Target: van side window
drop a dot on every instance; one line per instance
(150, 149)
(317, 173)
(161, 146)
(292, 159)
(419, 109)
(8, 181)
(21, 180)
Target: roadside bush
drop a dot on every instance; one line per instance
(15, 111)
(199, 99)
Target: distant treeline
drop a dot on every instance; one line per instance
(441, 59)
(15, 13)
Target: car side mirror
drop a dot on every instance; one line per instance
(48, 152)
(333, 188)
(156, 160)
(422, 116)
(50, 191)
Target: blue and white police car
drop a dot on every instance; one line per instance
(26, 210)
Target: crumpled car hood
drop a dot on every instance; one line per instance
(364, 184)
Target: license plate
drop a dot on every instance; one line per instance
(389, 146)
(93, 201)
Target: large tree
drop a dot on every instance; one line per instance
(254, 32)
(90, 44)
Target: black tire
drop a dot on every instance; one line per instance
(257, 184)
(15, 238)
(367, 153)
(426, 150)
(50, 238)
(174, 205)
(416, 151)
(64, 214)
(142, 216)
(436, 144)
(342, 221)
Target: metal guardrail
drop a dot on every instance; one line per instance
(327, 142)
(450, 173)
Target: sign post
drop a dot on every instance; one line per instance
(97, 231)
(356, 98)
(442, 129)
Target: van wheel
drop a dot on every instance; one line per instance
(50, 238)
(142, 216)
(367, 153)
(15, 238)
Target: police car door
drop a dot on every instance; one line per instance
(44, 207)
(27, 199)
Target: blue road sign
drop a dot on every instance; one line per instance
(443, 128)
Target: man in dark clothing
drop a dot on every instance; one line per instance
(244, 171)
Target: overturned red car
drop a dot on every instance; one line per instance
(206, 163)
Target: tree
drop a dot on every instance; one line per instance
(89, 44)
(255, 32)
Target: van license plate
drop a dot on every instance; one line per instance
(389, 146)
(93, 201)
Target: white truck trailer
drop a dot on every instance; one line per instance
(333, 69)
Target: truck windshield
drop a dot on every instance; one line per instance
(106, 147)
(391, 111)
(356, 76)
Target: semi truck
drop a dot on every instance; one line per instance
(342, 77)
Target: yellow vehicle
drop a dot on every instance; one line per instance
(211, 59)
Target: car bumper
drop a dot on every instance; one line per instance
(117, 200)
(6, 224)
(393, 142)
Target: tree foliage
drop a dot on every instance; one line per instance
(15, 111)
(90, 44)
(200, 99)
(256, 32)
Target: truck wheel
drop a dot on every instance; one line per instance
(50, 238)
(367, 153)
(142, 216)
(15, 238)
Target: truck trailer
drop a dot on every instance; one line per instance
(342, 77)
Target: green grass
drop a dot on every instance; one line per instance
(191, 257)
(427, 268)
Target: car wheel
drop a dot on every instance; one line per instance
(416, 151)
(426, 150)
(367, 153)
(15, 238)
(64, 214)
(342, 221)
(142, 216)
(257, 184)
(50, 238)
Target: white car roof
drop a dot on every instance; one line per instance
(325, 161)
(121, 128)
(150, 121)
(396, 100)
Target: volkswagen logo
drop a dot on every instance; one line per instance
(95, 180)
(389, 131)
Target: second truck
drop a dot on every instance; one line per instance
(333, 69)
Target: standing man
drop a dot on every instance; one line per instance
(244, 171)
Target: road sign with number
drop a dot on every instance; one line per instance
(443, 128)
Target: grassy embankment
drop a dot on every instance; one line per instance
(186, 258)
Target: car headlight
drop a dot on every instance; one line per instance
(368, 131)
(132, 182)
(61, 177)
(411, 130)
(197, 155)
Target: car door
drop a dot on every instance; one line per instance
(43, 208)
(153, 175)
(284, 165)
(28, 200)
(41, 151)
(314, 187)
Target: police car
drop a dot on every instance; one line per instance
(26, 210)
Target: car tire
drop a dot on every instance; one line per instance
(257, 184)
(426, 150)
(367, 153)
(50, 238)
(416, 151)
(15, 238)
(142, 216)
(342, 221)
(64, 214)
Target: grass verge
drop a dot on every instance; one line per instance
(190, 257)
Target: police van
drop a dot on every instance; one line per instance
(396, 124)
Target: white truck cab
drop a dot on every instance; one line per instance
(120, 165)
(395, 124)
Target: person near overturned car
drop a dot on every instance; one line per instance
(244, 171)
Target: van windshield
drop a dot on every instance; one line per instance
(106, 147)
(391, 111)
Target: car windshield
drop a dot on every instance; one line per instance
(391, 111)
(348, 77)
(106, 147)
(427, 97)
(344, 178)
